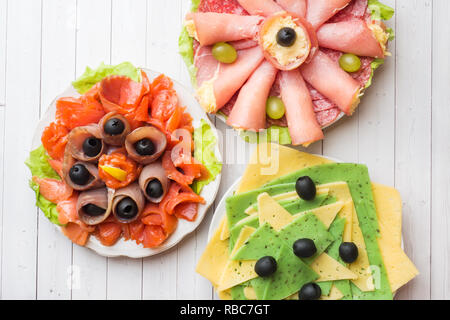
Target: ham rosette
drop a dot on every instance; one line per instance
(296, 7)
(128, 203)
(153, 182)
(114, 128)
(145, 144)
(86, 143)
(94, 206)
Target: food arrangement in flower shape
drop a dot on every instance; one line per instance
(300, 226)
(124, 159)
(296, 66)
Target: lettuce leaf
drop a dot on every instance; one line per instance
(93, 76)
(374, 65)
(39, 167)
(380, 11)
(205, 143)
(274, 134)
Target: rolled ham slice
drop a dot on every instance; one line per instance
(212, 27)
(101, 198)
(149, 173)
(76, 139)
(227, 79)
(297, 7)
(353, 36)
(260, 7)
(114, 140)
(329, 79)
(133, 192)
(319, 11)
(157, 137)
(94, 182)
(303, 126)
(249, 112)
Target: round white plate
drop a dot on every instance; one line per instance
(130, 248)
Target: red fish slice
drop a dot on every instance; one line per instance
(53, 190)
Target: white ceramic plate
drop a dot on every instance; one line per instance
(130, 248)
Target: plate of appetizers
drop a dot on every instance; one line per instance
(288, 68)
(125, 162)
(309, 228)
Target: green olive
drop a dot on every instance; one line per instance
(224, 52)
(275, 108)
(350, 62)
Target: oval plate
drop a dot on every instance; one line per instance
(209, 192)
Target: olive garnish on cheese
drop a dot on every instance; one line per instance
(93, 210)
(145, 147)
(127, 209)
(310, 291)
(266, 266)
(348, 252)
(79, 175)
(286, 37)
(92, 147)
(306, 189)
(304, 248)
(114, 126)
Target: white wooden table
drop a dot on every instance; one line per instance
(401, 132)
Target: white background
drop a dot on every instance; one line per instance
(401, 132)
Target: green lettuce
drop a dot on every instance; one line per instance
(380, 11)
(205, 143)
(274, 134)
(93, 76)
(374, 65)
(38, 164)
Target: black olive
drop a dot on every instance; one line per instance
(93, 210)
(154, 189)
(145, 147)
(286, 37)
(127, 209)
(348, 252)
(306, 189)
(92, 147)
(79, 175)
(310, 291)
(114, 127)
(266, 266)
(304, 248)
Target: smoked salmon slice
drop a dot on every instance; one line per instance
(56, 165)
(179, 194)
(187, 211)
(77, 112)
(185, 171)
(53, 190)
(108, 232)
(120, 94)
(54, 139)
(75, 233)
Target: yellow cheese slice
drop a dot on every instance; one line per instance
(399, 267)
(335, 294)
(271, 161)
(213, 260)
(250, 293)
(329, 269)
(225, 233)
(225, 295)
(272, 212)
(328, 213)
(347, 214)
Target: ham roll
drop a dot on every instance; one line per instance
(303, 126)
(260, 7)
(157, 139)
(319, 11)
(352, 36)
(249, 112)
(153, 182)
(94, 206)
(128, 203)
(114, 121)
(81, 176)
(86, 143)
(296, 7)
(227, 79)
(325, 75)
(211, 27)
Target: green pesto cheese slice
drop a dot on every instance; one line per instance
(358, 180)
(251, 221)
(237, 292)
(299, 205)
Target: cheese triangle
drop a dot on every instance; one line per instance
(328, 213)
(225, 233)
(246, 232)
(272, 212)
(329, 269)
(335, 294)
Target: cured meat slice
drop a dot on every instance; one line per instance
(302, 123)
(249, 112)
(77, 138)
(260, 7)
(134, 193)
(352, 36)
(297, 7)
(221, 6)
(227, 79)
(329, 79)
(210, 27)
(114, 140)
(102, 198)
(158, 139)
(319, 11)
(151, 172)
(94, 181)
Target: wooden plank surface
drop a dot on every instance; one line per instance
(400, 131)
